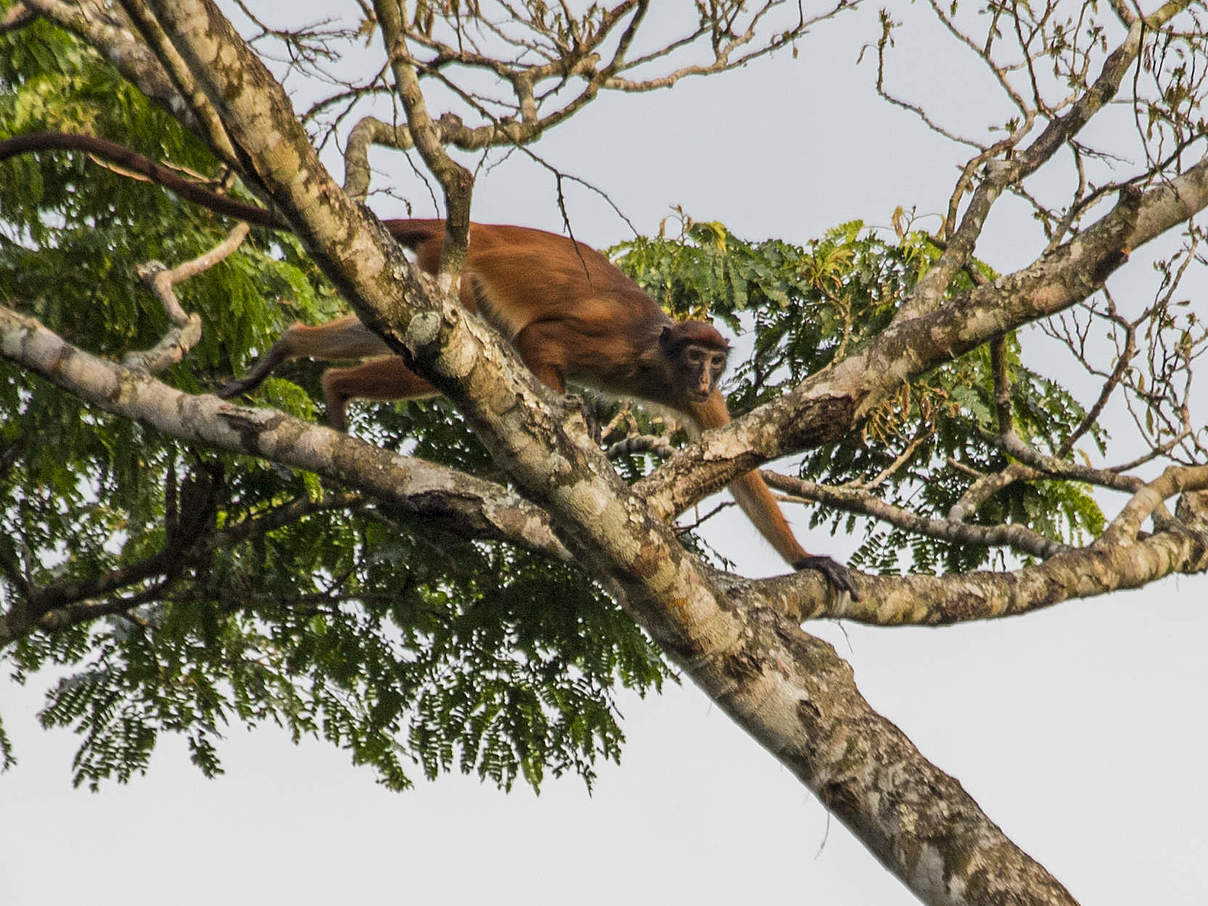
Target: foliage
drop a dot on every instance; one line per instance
(346, 623)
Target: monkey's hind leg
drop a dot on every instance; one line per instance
(383, 379)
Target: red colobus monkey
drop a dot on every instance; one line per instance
(573, 317)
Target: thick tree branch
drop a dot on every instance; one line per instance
(208, 121)
(794, 694)
(443, 497)
(1121, 558)
(122, 48)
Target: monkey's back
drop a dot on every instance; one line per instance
(522, 276)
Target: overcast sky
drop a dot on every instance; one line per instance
(1078, 729)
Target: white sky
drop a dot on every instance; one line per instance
(1078, 729)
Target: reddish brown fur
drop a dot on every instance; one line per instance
(572, 316)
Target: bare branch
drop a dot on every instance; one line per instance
(852, 500)
(177, 342)
(883, 44)
(455, 179)
(142, 166)
(1002, 173)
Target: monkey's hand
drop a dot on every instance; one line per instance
(574, 404)
(836, 573)
(235, 387)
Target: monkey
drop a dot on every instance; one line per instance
(573, 317)
(569, 312)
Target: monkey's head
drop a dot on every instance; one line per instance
(696, 355)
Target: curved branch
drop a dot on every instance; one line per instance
(850, 500)
(173, 346)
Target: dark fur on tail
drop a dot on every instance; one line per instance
(411, 233)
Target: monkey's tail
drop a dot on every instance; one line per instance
(410, 233)
(413, 233)
(137, 164)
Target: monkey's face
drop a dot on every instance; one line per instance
(699, 369)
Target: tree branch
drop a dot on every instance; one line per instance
(456, 180)
(1001, 173)
(443, 497)
(850, 500)
(121, 47)
(173, 346)
(33, 142)
(1118, 559)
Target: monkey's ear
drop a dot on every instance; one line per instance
(665, 337)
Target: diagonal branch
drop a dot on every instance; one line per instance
(1002, 173)
(444, 497)
(32, 142)
(851, 500)
(208, 119)
(123, 49)
(830, 404)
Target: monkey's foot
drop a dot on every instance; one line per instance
(836, 573)
(235, 387)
